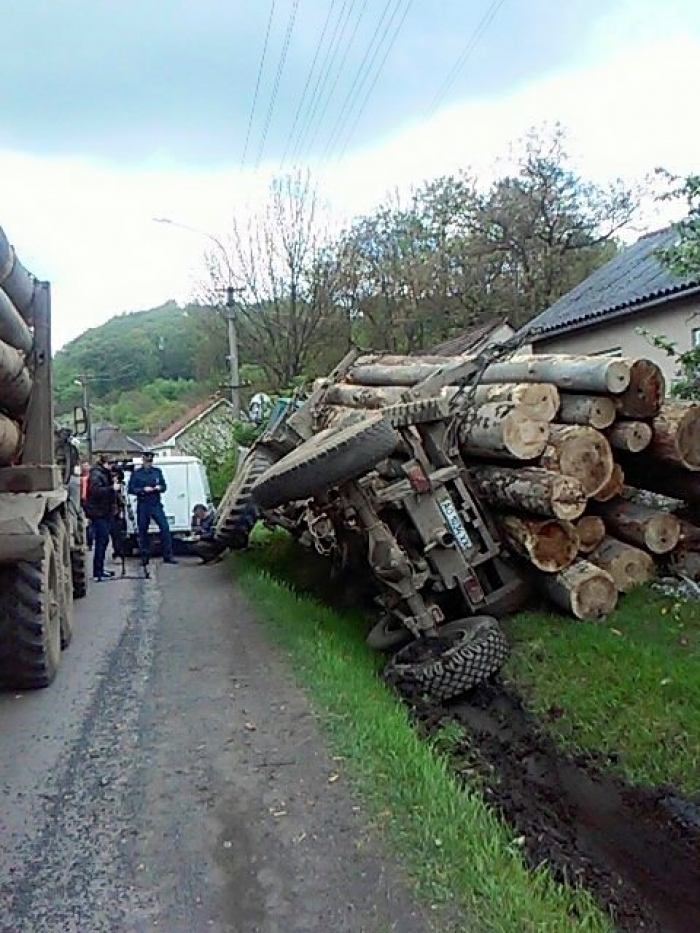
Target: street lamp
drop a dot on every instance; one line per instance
(229, 310)
(88, 419)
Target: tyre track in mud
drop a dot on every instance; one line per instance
(637, 850)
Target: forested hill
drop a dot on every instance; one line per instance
(145, 368)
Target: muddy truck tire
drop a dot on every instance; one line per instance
(235, 514)
(30, 639)
(334, 456)
(465, 654)
(60, 535)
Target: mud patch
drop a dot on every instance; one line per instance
(636, 850)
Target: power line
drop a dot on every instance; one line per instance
(360, 75)
(378, 72)
(257, 82)
(278, 77)
(316, 94)
(307, 82)
(329, 96)
(473, 41)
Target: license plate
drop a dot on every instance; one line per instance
(454, 523)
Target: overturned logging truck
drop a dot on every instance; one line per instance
(42, 553)
(470, 484)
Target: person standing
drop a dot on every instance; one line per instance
(147, 483)
(84, 479)
(100, 508)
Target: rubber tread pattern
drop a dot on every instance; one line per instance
(26, 659)
(61, 542)
(229, 530)
(334, 456)
(479, 651)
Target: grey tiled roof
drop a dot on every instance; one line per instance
(632, 278)
(468, 340)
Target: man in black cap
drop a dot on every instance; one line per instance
(147, 483)
(100, 507)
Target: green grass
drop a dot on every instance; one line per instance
(449, 842)
(628, 688)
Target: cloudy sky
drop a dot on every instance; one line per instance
(115, 113)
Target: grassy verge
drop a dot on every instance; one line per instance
(449, 841)
(628, 689)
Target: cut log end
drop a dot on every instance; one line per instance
(581, 452)
(591, 531)
(628, 566)
(584, 590)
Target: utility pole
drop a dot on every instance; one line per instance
(229, 311)
(233, 351)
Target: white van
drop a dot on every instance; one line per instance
(187, 484)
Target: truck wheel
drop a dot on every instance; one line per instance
(334, 456)
(79, 558)
(234, 523)
(61, 543)
(464, 654)
(31, 631)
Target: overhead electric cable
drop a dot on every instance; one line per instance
(278, 77)
(257, 83)
(378, 71)
(307, 83)
(473, 41)
(329, 96)
(322, 76)
(359, 79)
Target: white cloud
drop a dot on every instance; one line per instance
(628, 101)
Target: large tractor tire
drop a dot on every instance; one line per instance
(237, 512)
(464, 654)
(332, 457)
(60, 536)
(30, 636)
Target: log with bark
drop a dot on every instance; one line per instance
(599, 374)
(629, 566)
(529, 489)
(584, 590)
(597, 411)
(645, 394)
(10, 440)
(676, 434)
(15, 381)
(13, 329)
(549, 544)
(640, 525)
(538, 400)
(502, 431)
(591, 531)
(613, 487)
(581, 452)
(630, 436)
(644, 471)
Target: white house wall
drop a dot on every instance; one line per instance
(676, 322)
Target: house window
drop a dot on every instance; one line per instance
(695, 337)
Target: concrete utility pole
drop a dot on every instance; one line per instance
(229, 311)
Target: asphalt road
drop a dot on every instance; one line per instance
(173, 778)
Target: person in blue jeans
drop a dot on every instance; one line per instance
(147, 483)
(100, 507)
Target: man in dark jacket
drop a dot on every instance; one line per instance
(147, 483)
(203, 522)
(100, 508)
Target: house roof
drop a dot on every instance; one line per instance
(633, 278)
(468, 340)
(188, 419)
(109, 439)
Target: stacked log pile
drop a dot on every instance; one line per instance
(555, 446)
(16, 344)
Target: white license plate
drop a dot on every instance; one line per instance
(454, 523)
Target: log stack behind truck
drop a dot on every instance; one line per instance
(42, 552)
